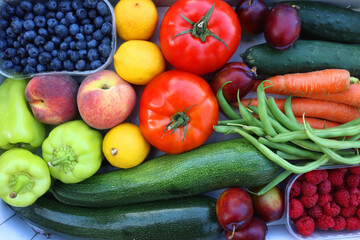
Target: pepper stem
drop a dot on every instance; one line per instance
(21, 182)
(59, 160)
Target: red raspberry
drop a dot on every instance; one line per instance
(342, 197)
(336, 177)
(340, 223)
(354, 197)
(324, 187)
(352, 223)
(296, 208)
(315, 211)
(352, 181)
(355, 170)
(295, 189)
(324, 198)
(316, 176)
(358, 212)
(348, 211)
(331, 209)
(325, 222)
(305, 225)
(309, 201)
(301, 177)
(308, 188)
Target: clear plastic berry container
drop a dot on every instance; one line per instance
(104, 64)
(317, 234)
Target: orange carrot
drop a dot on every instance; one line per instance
(328, 110)
(318, 123)
(317, 82)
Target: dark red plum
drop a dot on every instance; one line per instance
(252, 15)
(255, 230)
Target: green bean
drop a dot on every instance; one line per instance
(228, 129)
(224, 105)
(251, 120)
(288, 110)
(340, 159)
(237, 121)
(258, 131)
(288, 156)
(263, 112)
(354, 137)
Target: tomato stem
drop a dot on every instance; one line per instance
(199, 29)
(178, 120)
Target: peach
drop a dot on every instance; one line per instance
(52, 98)
(105, 100)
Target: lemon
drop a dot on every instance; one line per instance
(135, 19)
(138, 61)
(124, 146)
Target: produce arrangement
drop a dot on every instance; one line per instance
(95, 153)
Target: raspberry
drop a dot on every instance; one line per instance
(309, 201)
(325, 222)
(296, 208)
(352, 181)
(355, 170)
(352, 223)
(301, 177)
(342, 197)
(295, 189)
(336, 177)
(358, 213)
(305, 225)
(323, 199)
(348, 211)
(316, 176)
(324, 187)
(308, 188)
(331, 209)
(340, 223)
(354, 197)
(315, 211)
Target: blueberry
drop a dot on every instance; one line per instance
(70, 17)
(80, 37)
(108, 18)
(50, 15)
(88, 29)
(51, 5)
(10, 52)
(80, 65)
(97, 35)
(72, 45)
(80, 45)
(69, 65)
(10, 41)
(39, 9)
(68, 39)
(52, 22)
(10, 33)
(3, 44)
(18, 69)
(49, 46)
(3, 35)
(56, 64)
(62, 55)
(30, 35)
(17, 25)
(60, 15)
(29, 69)
(33, 52)
(106, 40)
(74, 56)
(102, 8)
(5, 14)
(81, 13)
(69, 52)
(93, 54)
(76, 4)
(40, 21)
(90, 3)
(85, 21)
(74, 29)
(65, 6)
(54, 53)
(29, 16)
(10, 9)
(64, 46)
(39, 40)
(40, 68)
(28, 46)
(32, 61)
(4, 24)
(43, 32)
(98, 21)
(61, 31)
(7, 64)
(26, 6)
(29, 24)
(2, 55)
(56, 40)
(44, 58)
(92, 44)
(95, 64)
(64, 22)
(106, 28)
(83, 53)
(23, 61)
(19, 11)
(88, 38)
(104, 50)
(16, 60)
(17, 44)
(92, 14)
(41, 49)
(22, 53)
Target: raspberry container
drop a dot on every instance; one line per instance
(10, 74)
(317, 234)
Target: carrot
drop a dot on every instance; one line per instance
(328, 110)
(317, 82)
(318, 123)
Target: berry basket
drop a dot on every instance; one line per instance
(317, 233)
(72, 68)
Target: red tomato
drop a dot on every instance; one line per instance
(188, 52)
(179, 94)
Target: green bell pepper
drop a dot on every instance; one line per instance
(24, 177)
(73, 151)
(18, 126)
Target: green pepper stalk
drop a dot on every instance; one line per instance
(18, 126)
(24, 177)
(73, 151)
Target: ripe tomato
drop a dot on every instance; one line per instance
(182, 101)
(198, 44)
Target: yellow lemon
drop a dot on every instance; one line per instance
(138, 61)
(135, 19)
(124, 146)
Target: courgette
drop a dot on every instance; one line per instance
(304, 56)
(210, 167)
(188, 218)
(325, 21)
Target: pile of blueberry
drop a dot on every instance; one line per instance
(55, 35)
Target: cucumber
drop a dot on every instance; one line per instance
(325, 21)
(304, 56)
(209, 167)
(188, 218)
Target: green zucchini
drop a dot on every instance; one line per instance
(304, 56)
(188, 218)
(325, 21)
(210, 167)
